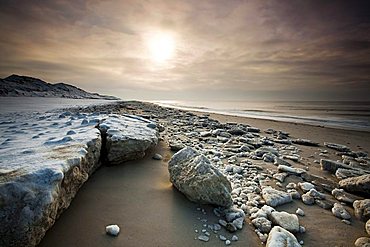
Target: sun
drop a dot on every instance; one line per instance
(161, 47)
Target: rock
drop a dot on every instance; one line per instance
(234, 238)
(362, 242)
(222, 237)
(194, 175)
(300, 212)
(112, 230)
(362, 209)
(307, 199)
(340, 212)
(315, 194)
(37, 180)
(359, 184)
(238, 223)
(324, 204)
(338, 147)
(231, 227)
(332, 166)
(127, 138)
(367, 227)
(342, 173)
(287, 221)
(203, 238)
(278, 161)
(264, 150)
(262, 224)
(227, 242)
(233, 213)
(279, 237)
(157, 157)
(343, 196)
(275, 197)
(305, 142)
(291, 170)
(176, 146)
(306, 186)
(280, 176)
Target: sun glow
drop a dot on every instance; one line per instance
(161, 47)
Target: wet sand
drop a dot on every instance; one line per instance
(139, 198)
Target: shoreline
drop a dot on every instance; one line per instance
(180, 230)
(205, 110)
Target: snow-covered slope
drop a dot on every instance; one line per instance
(24, 86)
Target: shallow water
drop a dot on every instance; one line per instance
(336, 114)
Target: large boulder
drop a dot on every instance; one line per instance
(194, 175)
(359, 184)
(128, 137)
(41, 170)
(279, 237)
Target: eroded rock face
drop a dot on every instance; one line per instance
(128, 137)
(279, 237)
(193, 174)
(42, 173)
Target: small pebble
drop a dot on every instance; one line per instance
(203, 238)
(222, 237)
(112, 230)
(227, 242)
(235, 238)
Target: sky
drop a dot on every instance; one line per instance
(192, 49)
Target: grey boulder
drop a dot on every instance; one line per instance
(279, 237)
(194, 175)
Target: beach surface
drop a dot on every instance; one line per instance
(139, 197)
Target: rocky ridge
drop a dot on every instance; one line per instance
(45, 159)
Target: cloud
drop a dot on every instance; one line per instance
(236, 50)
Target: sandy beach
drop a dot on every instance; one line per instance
(139, 197)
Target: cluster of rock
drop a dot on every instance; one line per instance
(240, 153)
(45, 159)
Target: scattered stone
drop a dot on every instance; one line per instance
(279, 237)
(280, 176)
(338, 147)
(203, 238)
(356, 184)
(332, 166)
(275, 197)
(112, 230)
(157, 157)
(262, 224)
(222, 237)
(307, 199)
(362, 242)
(340, 212)
(362, 209)
(238, 223)
(194, 175)
(231, 227)
(306, 186)
(324, 204)
(343, 196)
(287, 221)
(227, 242)
(300, 212)
(234, 238)
(291, 170)
(305, 142)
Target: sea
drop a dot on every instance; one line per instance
(353, 115)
